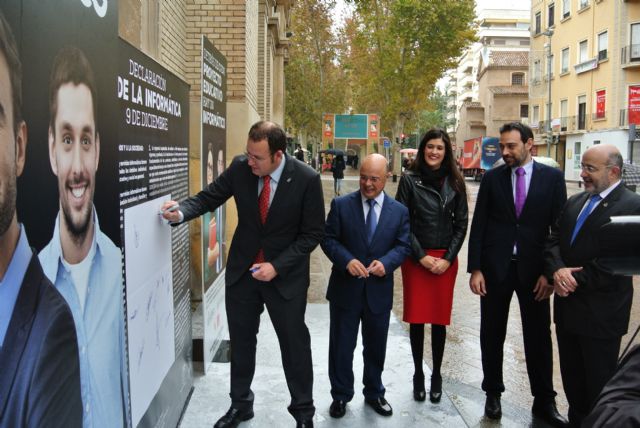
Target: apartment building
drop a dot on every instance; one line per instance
(499, 31)
(584, 77)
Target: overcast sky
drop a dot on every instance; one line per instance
(341, 7)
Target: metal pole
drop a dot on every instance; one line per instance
(549, 33)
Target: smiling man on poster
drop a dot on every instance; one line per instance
(80, 260)
(39, 368)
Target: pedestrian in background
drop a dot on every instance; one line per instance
(299, 153)
(592, 305)
(516, 205)
(337, 167)
(435, 194)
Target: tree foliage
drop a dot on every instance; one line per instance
(315, 82)
(399, 49)
(435, 113)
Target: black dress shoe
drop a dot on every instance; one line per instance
(306, 423)
(381, 406)
(492, 407)
(233, 417)
(435, 393)
(419, 393)
(548, 412)
(338, 408)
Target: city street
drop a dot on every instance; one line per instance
(462, 368)
(462, 403)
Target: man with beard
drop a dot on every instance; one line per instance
(593, 305)
(80, 260)
(517, 204)
(39, 369)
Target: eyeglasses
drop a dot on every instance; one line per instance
(590, 169)
(373, 179)
(253, 158)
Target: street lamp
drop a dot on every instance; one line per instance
(549, 33)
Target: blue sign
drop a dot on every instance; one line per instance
(351, 126)
(387, 143)
(490, 152)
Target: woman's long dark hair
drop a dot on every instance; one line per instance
(449, 163)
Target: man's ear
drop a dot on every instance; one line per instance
(52, 154)
(97, 149)
(21, 147)
(529, 144)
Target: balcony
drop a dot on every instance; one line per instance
(630, 56)
(585, 66)
(562, 125)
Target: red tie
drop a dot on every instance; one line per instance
(263, 207)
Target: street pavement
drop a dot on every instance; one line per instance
(463, 400)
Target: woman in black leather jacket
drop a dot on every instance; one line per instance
(434, 191)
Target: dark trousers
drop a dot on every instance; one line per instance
(343, 335)
(245, 302)
(536, 320)
(586, 365)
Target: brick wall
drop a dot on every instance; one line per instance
(173, 31)
(230, 25)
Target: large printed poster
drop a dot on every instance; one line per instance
(107, 142)
(152, 119)
(214, 148)
(68, 193)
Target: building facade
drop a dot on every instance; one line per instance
(251, 34)
(499, 31)
(584, 77)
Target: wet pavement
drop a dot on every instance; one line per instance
(463, 400)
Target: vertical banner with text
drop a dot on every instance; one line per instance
(153, 124)
(634, 104)
(214, 149)
(601, 99)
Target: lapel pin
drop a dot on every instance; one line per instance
(606, 204)
(289, 180)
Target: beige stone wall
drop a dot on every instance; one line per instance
(614, 17)
(470, 124)
(499, 109)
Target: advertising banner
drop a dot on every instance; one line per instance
(327, 126)
(107, 144)
(214, 149)
(634, 104)
(601, 97)
(472, 153)
(490, 152)
(373, 126)
(351, 126)
(67, 195)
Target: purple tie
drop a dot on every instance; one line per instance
(521, 190)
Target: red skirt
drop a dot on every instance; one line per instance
(428, 298)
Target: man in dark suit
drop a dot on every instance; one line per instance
(593, 307)
(367, 238)
(516, 205)
(39, 367)
(280, 221)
